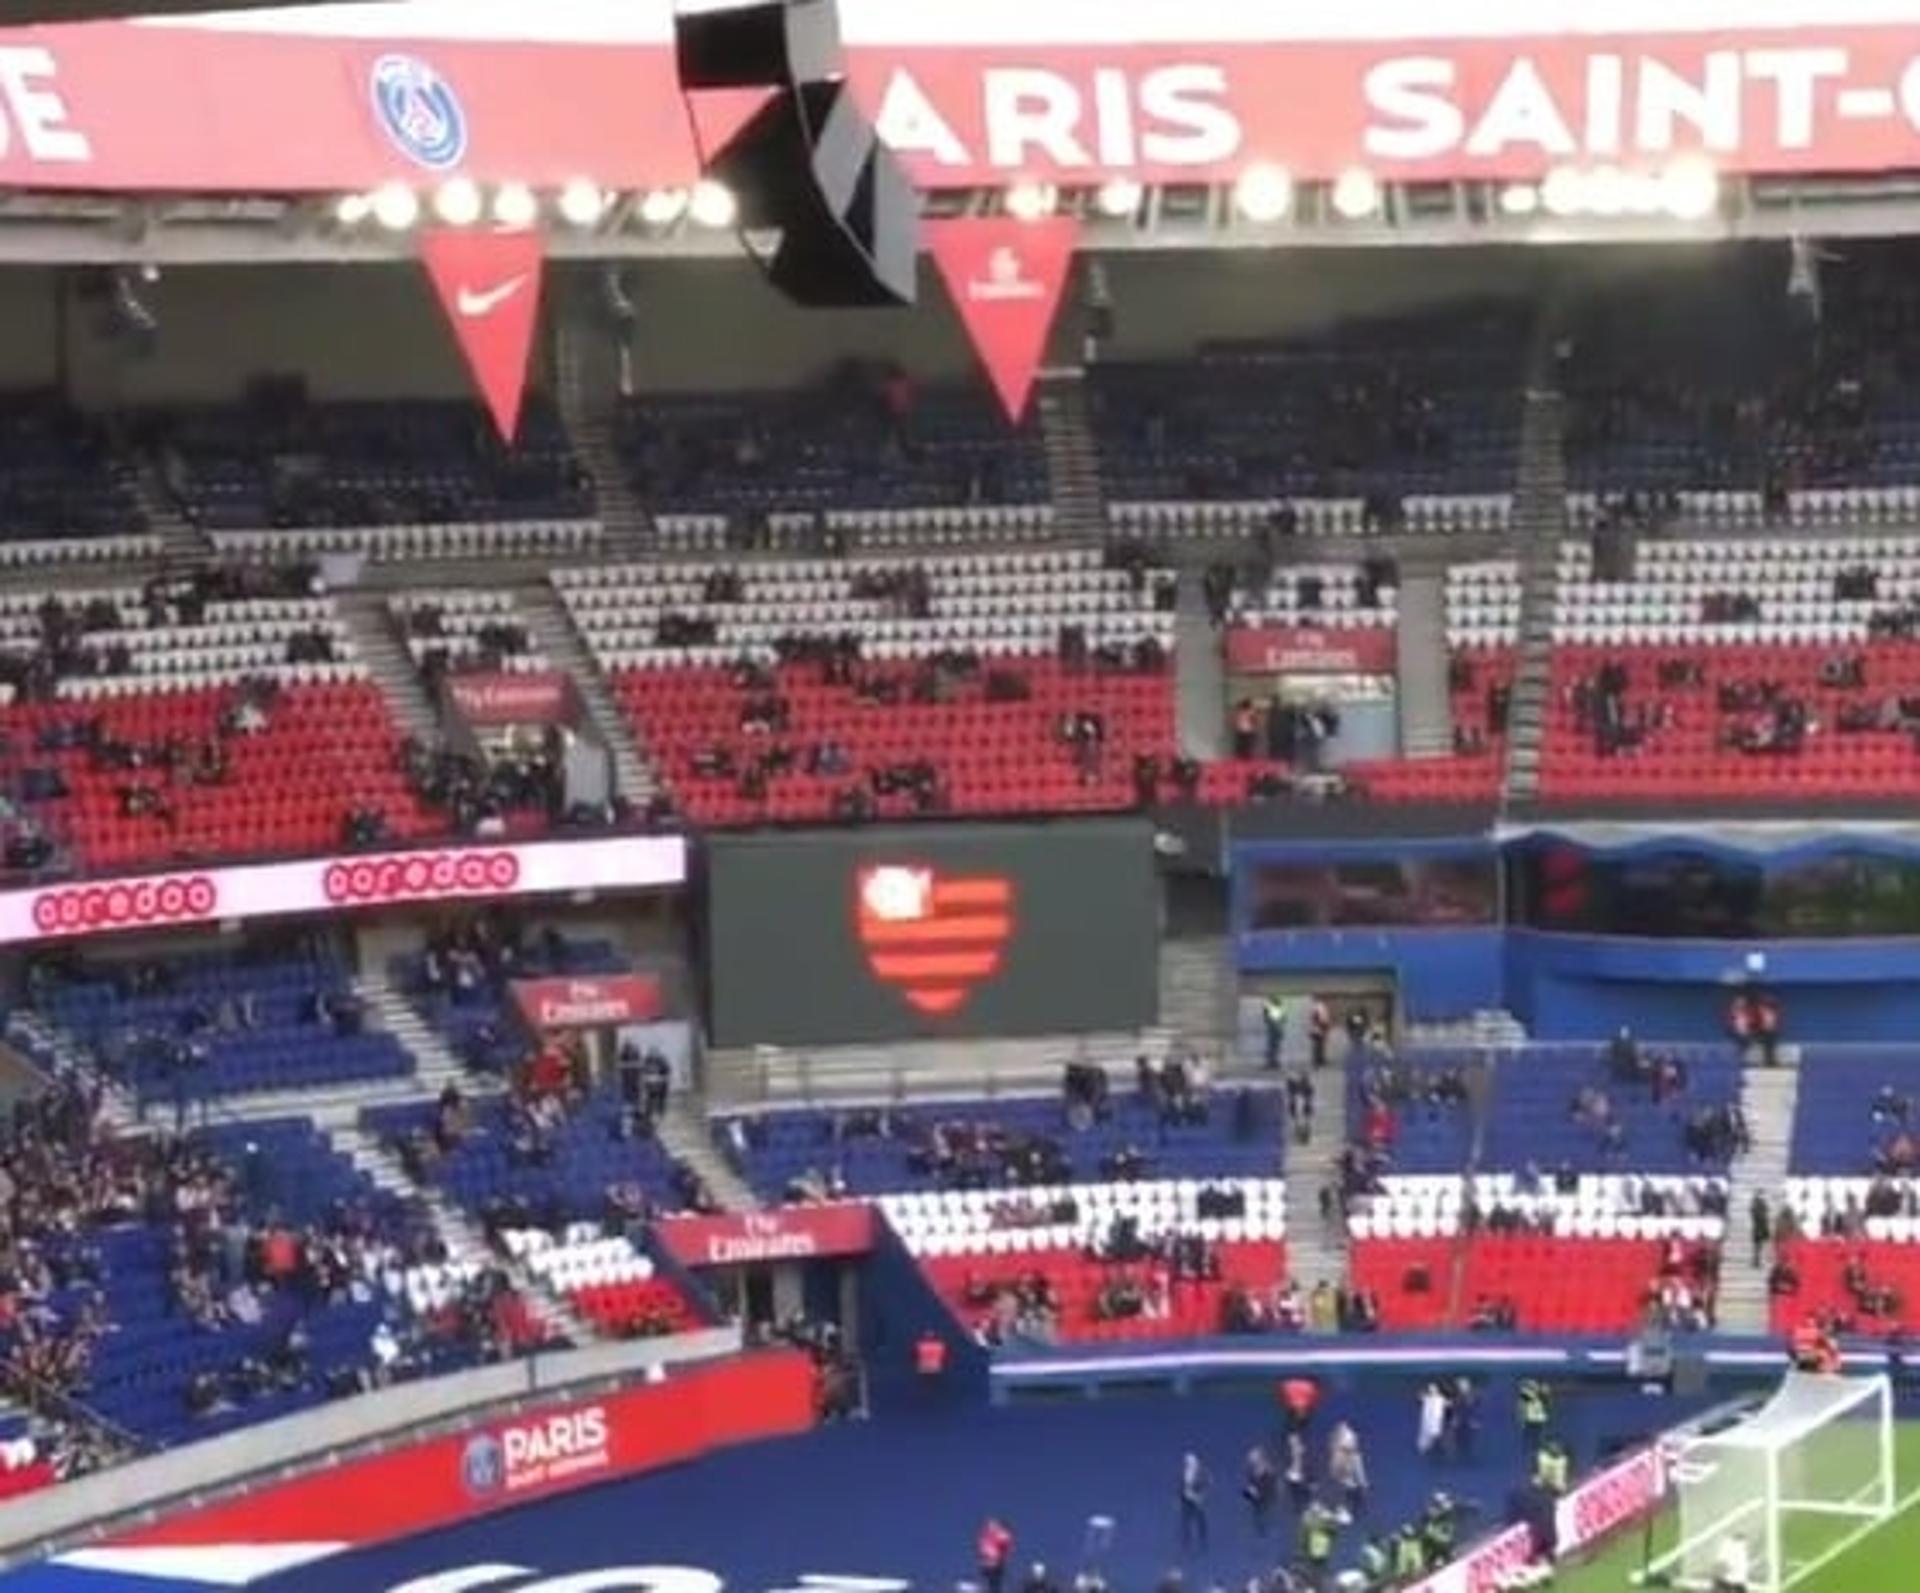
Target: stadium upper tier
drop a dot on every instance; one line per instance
(1704, 379)
(61, 475)
(280, 460)
(866, 595)
(1427, 405)
(864, 439)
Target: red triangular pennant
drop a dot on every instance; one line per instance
(1006, 278)
(489, 285)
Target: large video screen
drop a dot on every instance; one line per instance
(908, 932)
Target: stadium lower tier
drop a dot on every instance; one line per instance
(1537, 1283)
(606, 1279)
(1074, 1297)
(1868, 1286)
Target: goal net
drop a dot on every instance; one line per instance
(1788, 1489)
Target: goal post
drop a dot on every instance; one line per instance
(1798, 1482)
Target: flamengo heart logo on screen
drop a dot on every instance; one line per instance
(936, 938)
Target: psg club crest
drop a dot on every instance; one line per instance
(419, 112)
(483, 1467)
(933, 937)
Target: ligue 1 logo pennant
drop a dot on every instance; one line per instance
(489, 285)
(1006, 278)
(934, 937)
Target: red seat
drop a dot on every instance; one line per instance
(638, 1306)
(1822, 1264)
(1682, 752)
(1190, 1309)
(1555, 1285)
(1568, 1285)
(326, 750)
(1394, 1270)
(990, 756)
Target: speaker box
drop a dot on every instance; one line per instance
(807, 164)
(757, 46)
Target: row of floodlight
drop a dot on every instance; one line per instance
(1262, 194)
(582, 203)
(1688, 189)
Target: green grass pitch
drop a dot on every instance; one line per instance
(1887, 1560)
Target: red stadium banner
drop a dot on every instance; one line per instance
(564, 1445)
(1305, 650)
(491, 699)
(489, 285)
(602, 1003)
(1006, 278)
(793, 1233)
(1502, 91)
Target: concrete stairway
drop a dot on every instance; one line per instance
(1198, 990)
(587, 391)
(1420, 663)
(560, 639)
(435, 1065)
(465, 1242)
(378, 643)
(1540, 525)
(1073, 458)
(1316, 1250)
(1769, 1097)
(627, 529)
(181, 541)
(1200, 673)
(684, 1134)
(458, 1232)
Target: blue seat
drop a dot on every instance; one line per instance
(785, 1146)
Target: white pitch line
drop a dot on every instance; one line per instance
(1834, 1551)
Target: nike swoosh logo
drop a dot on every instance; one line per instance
(483, 301)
